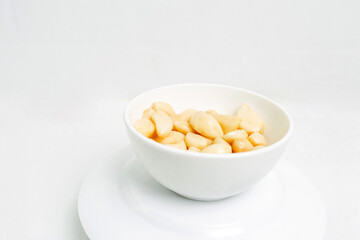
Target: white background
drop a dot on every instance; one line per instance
(66, 68)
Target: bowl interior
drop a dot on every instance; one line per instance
(223, 99)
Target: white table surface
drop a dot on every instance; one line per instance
(68, 67)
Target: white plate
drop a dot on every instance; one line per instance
(119, 200)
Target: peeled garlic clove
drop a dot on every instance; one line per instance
(258, 147)
(206, 125)
(228, 123)
(173, 137)
(163, 123)
(211, 112)
(189, 112)
(257, 139)
(194, 149)
(180, 145)
(220, 140)
(195, 140)
(218, 148)
(185, 115)
(163, 106)
(145, 127)
(183, 127)
(250, 121)
(242, 145)
(251, 127)
(147, 113)
(237, 134)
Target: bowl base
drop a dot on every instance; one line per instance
(120, 200)
(203, 199)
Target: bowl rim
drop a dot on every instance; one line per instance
(162, 147)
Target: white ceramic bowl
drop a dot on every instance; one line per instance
(204, 176)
